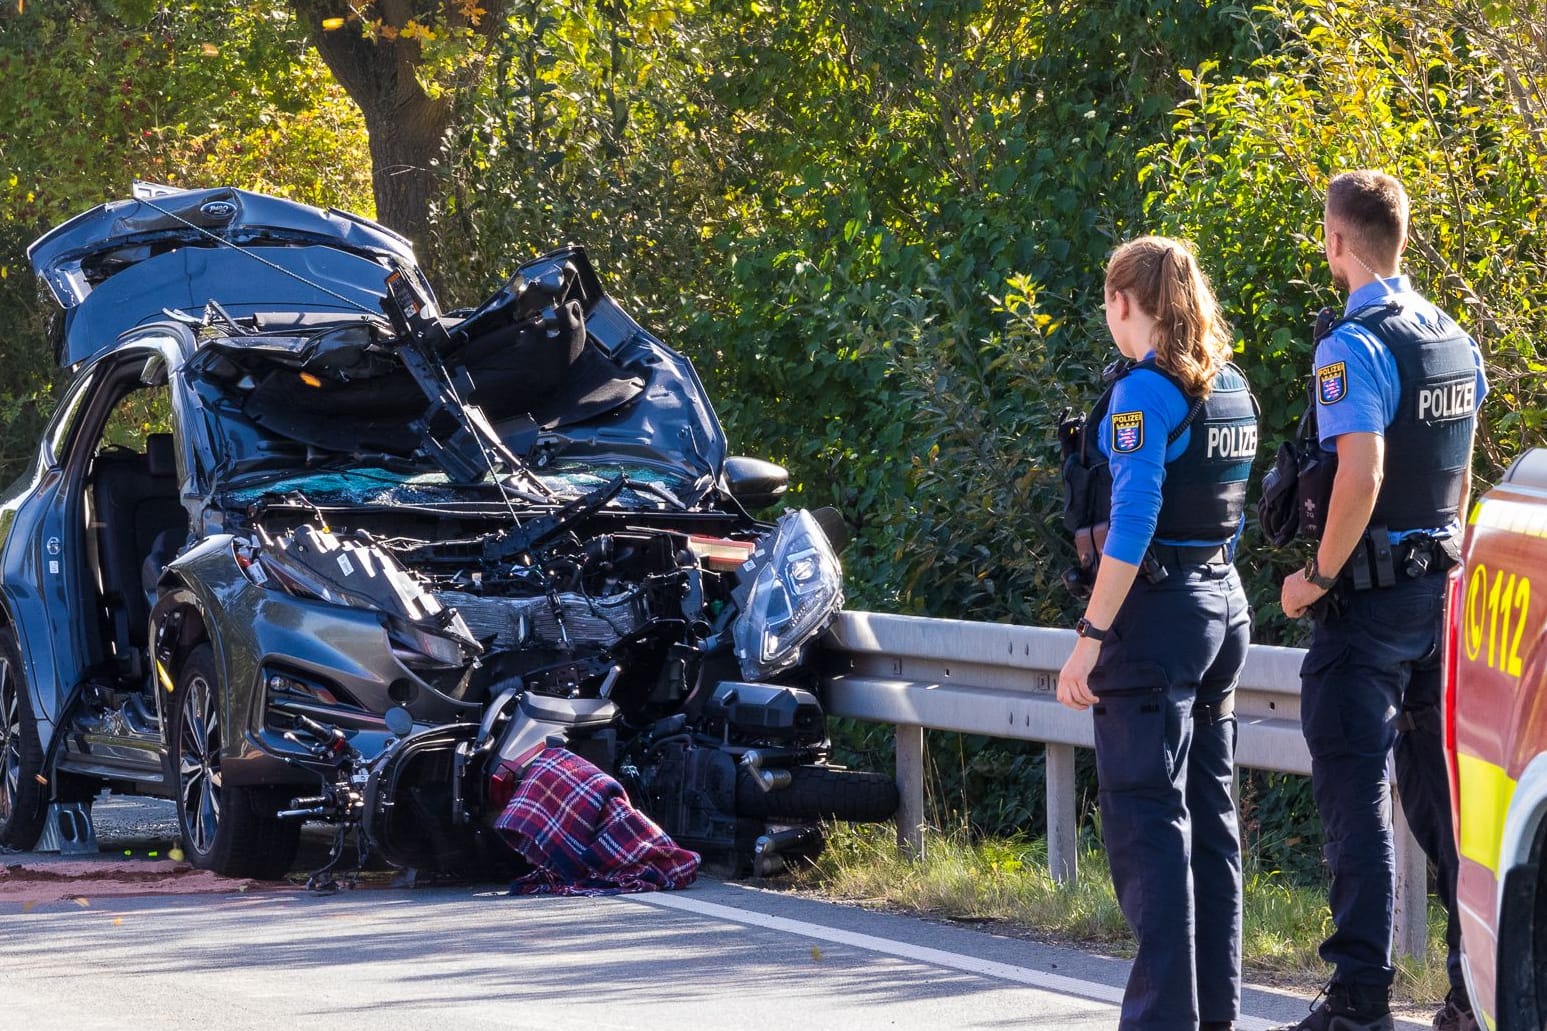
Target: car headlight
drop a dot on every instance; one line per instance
(796, 587)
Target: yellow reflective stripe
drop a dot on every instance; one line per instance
(1510, 516)
(1485, 793)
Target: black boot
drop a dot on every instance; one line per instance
(1456, 1014)
(1348, 1008)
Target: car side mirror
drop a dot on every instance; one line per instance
(833, 526)
(754, 482)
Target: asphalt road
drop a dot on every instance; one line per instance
(717, 955)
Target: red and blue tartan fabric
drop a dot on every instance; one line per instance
(575, 825)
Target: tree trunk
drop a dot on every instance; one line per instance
(406, 126)
(403, 153)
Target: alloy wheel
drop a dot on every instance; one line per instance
(10, 740)
(198, 764)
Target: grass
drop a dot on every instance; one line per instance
(1008, 881)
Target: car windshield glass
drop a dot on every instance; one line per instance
(376, 486)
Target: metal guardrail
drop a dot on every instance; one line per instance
(1000, 680)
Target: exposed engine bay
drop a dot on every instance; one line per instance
(611, 633)
(563, 616)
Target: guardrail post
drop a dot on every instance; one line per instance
(910, 786)
(1410, 918)
(1062, 834)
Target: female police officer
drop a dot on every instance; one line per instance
(1165, 632)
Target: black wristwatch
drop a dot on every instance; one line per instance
(1313, 575)
(1085, 628)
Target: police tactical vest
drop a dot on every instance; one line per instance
(1204, 492)
(1428, 444)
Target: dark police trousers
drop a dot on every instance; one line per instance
(1164, 758)
(1371, 683)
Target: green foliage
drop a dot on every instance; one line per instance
(1281, 832)
(586, 128)
(896, 168)
(26, 367)
(991, 409)
(200, 95)
(94, 95)
(138, 415)
(1450, 99)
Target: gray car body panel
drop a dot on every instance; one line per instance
(254, 628)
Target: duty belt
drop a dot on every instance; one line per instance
(1176, 555)
(1211, 713)
(1376, 562)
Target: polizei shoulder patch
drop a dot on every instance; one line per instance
(1127, 432)
(1331, 383)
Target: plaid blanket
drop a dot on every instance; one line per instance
(575, 825)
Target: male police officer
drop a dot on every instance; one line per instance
(1397, 385)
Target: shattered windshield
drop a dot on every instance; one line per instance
(336, 415)
(373, 486)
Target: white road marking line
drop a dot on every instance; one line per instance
(923, 954)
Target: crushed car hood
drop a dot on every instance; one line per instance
(562, 373)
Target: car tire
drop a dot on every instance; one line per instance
(228, 829)
(820, 793)
(23, 792)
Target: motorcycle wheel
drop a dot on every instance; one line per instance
(228, 829)
(820, 793)
(23, 799)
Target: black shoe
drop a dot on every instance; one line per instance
(1456, 1014)
(1217, 1025)
(1347, 1008)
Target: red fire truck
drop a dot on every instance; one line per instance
(1496, 743)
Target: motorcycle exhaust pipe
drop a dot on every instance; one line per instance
(776, 842)
(305, 808)
(768, 852)
(774, 780)
(302, 814)
(768, 780)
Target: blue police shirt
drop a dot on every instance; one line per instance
(1368, 389)
(1146, 408)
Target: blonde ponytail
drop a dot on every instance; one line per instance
(1192, 341)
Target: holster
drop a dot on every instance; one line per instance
(1426, 719)
(1217, 712)
(1080, 578)
(1088, 541)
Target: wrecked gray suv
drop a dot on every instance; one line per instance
(297, 546)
